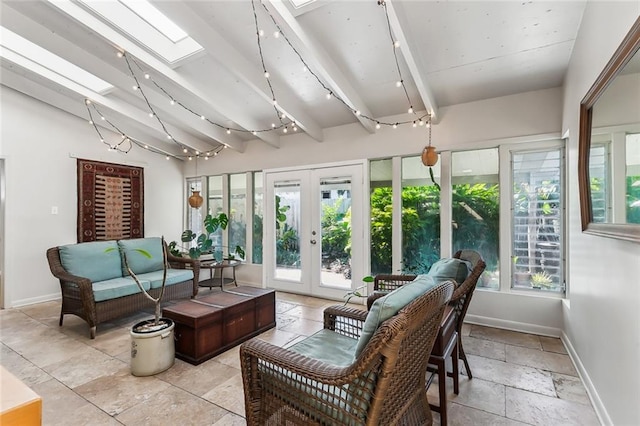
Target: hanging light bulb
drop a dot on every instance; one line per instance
(261, 33)
(395, 125)
(275, 103)
(147, 76)
(305, 69)
(87, 101)
(414, 124)
(135, 87)
(167, 158)
(102, 118)
(410, 110)
(228, 131)
(273, 125)
(119, 54)
(172, 102)
(396, 44)
(420, 122)
(329, 94)
(185, 150)
(276, 34)
(151, 114)
(285, 130)
(266, 74)
(90, 121)
(254, 133)
(169, 137)
(377, 125)
(146, 146)
(190, 158)
(202, 117)
(358, 113)
(399, 83)
(295, 129)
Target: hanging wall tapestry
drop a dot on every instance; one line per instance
(110, 201)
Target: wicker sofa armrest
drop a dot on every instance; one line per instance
(182, 263)
(345, 320)
(58, 271)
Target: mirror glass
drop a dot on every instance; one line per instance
(614, 155)
(609, 146)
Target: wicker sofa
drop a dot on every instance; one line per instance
(361, 369)
(96, 286)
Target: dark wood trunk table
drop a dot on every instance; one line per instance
(212, 324)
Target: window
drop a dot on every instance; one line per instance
(599, 178)
(420, 217)
(215, 205)
(537, 220)
(516, 189)
(258, 215)
(475, 208)
(380, 176)
(237, 211)
(632, 155)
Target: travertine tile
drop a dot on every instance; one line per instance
(466, 329)
(277, 337)
(304, 327)
(552, 344)
(23, 369)
(228, 395)
(120, 391)
(54, 396)
(230, 357)
(518, 376)
(481, 394)
(173, 406)
(84, 367)
(231, 420)
(485, 348)
(197, 379)
(535, 358)
(542, 410)
(282, 306)
(307, 312)
(212, 393)
(459, 415)
(505, 336)
(570, 388)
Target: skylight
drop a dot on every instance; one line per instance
(156, 19)
(140, 20)
(300, 3)
(41, 61)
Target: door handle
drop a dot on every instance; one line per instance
(312, 241)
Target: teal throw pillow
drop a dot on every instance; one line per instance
(389, 305)
(450, 269)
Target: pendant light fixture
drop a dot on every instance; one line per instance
(430, 156)
(195, 200)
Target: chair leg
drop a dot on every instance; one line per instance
(61, 316)
(442, 387)
(455, 363)
(464, 358)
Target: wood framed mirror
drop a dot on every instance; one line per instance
(609, 146)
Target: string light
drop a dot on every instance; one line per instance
(285, 126)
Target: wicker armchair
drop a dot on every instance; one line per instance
(461, 296)
(384, 385)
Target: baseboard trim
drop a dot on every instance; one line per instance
(34, 300)
(596, 402)
(513, 325)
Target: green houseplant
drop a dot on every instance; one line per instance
(204, 243)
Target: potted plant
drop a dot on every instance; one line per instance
(152, 340)
(204, 243)
(357, 293)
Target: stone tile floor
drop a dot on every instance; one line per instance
(517, 378)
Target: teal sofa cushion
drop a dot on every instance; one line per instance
(138, 262)
(116, 287)
(328, 346)
(450, 269)
(96, 260)
(174, 276)
(389, 305)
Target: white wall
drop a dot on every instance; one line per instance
(459, 125)
(602, 324)
(37, 143)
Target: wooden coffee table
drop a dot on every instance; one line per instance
(212, 324)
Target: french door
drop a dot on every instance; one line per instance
(314, 230)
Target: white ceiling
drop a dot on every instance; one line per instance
(450, 52)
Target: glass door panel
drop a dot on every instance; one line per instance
(335, 218)
(287, 211)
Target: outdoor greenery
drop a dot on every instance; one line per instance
(633, 199)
